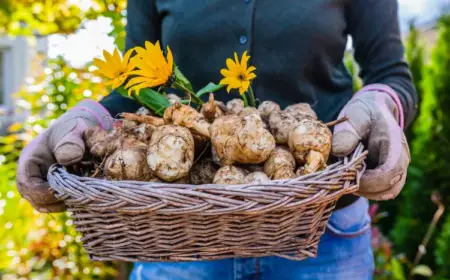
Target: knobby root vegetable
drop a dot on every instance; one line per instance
(101, 144)
(128, 164)
(235, 105)
(143, 132)
(280, 124)
(211, 109)
(187, 116)
(283, 174)
(266, 108)
(256, 177)
(127, 126)
(93, 135)
(173, 98)
(241, 139)
(280, 159)
(155, 121)
(301, 111)
(144, 111)
(171, 152)
(203, 172)
(300, 171)
(229, 175)
(310, 143)
(248, 111)
(214, 156)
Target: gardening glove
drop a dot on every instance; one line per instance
(63, 143)
(375, 116)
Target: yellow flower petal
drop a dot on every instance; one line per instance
(151, 67)
(236, 59)
(245, 85)
(231, 64)
(244, 60)
(169, 58)
(251, 76)
(126, 57)
(229, 88)
(250, 69)
(237, 75)
(114, 67)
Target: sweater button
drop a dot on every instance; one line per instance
(243, 40)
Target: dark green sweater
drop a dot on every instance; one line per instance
(296, 46)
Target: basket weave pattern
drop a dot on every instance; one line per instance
(141, 221)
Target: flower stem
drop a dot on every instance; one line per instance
(245, 100)
(192, 95)
(252, 96)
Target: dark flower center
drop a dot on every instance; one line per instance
(241, 77)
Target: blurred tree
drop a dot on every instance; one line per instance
(415, 56)
(38, 245)
(414, 52)
(45, 17)
(34, 245)
(429, 167)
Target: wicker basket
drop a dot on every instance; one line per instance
(141, 221)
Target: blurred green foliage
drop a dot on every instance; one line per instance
(34, 245)
(409, 216)
(429, 143)
(38, 245)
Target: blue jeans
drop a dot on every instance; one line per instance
(344, 253)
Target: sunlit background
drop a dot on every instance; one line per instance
(46, 47)
(96, 32)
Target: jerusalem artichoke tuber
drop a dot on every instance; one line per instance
(187, 116)
(229, 175)
(280, 159)
(171, 152)
(256, 177)
(310, 143)
(241, 139)
(235, 105)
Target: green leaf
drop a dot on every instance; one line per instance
(153, 100)
(182, 79)
(211, 87)
(397, 270)
(422, 270)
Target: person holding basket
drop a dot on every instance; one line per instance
(302, 42)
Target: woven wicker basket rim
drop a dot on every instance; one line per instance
(138, 197)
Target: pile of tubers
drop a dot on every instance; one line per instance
(220, 144)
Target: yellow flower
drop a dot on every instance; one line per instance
(114, 68)
(153, 69)
(238, 76)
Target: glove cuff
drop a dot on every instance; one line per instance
(389, 91)
(97, 111)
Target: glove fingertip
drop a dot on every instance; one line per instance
(69, 153)
(344, 143)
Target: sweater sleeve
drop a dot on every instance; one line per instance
(374, 28)
(142, 25)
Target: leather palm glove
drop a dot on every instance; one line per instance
(63, 143)
(375, 116)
